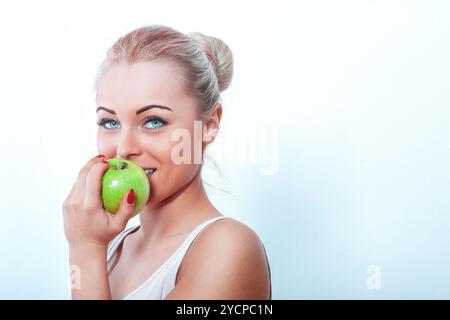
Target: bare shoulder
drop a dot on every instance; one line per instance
(227, 260)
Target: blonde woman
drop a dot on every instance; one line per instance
(154, 81)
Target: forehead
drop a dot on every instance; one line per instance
(156, 82)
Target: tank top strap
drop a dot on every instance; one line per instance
(117, 240)
(180, 251)
(187, 242)
(174, 262)
(162, 281)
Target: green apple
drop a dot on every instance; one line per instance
(121, 176)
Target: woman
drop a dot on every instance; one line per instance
(157, 83)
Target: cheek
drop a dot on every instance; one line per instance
(172, 176)
(176, 145)
(170, 180)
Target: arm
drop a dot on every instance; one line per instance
(89, 229)
(226, 261)
(92, 278)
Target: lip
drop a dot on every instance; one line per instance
(149, 176)
(147, 168)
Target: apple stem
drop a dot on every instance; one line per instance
(123, 165)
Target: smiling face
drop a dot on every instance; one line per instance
(138, 108)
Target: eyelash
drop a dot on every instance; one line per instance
(102, 122)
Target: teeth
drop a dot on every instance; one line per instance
(149, 171)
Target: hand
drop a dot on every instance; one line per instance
(86, 222)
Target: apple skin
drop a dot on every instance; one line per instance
(121, 176)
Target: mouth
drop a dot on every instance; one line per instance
(149, 171)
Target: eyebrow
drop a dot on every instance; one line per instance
(143, 109)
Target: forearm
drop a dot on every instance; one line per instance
(89, 272)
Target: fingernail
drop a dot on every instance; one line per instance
(101, 156)
(130, 197)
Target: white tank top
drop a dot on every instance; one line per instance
(162, 281)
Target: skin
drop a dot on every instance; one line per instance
(214, 267)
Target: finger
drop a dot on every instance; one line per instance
(81, 183)
(72, 191)
(125, 212)
(66, 201)
(93, 188)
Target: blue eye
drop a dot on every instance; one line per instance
(104, 122)
(155, 122)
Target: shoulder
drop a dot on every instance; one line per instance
(227, 260)
(228, 234)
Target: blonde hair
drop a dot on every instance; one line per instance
(207, 61)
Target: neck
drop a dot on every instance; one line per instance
(177, 214)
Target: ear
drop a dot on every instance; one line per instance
(211, 124)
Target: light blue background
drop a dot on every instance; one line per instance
(357, 93)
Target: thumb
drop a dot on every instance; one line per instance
(125, 211)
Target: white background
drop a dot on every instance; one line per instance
(348, 100)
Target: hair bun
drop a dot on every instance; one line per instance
(220, 56)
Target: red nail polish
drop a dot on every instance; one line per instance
(101, 156)
(130, 197)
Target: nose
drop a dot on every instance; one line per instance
(128, 144)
